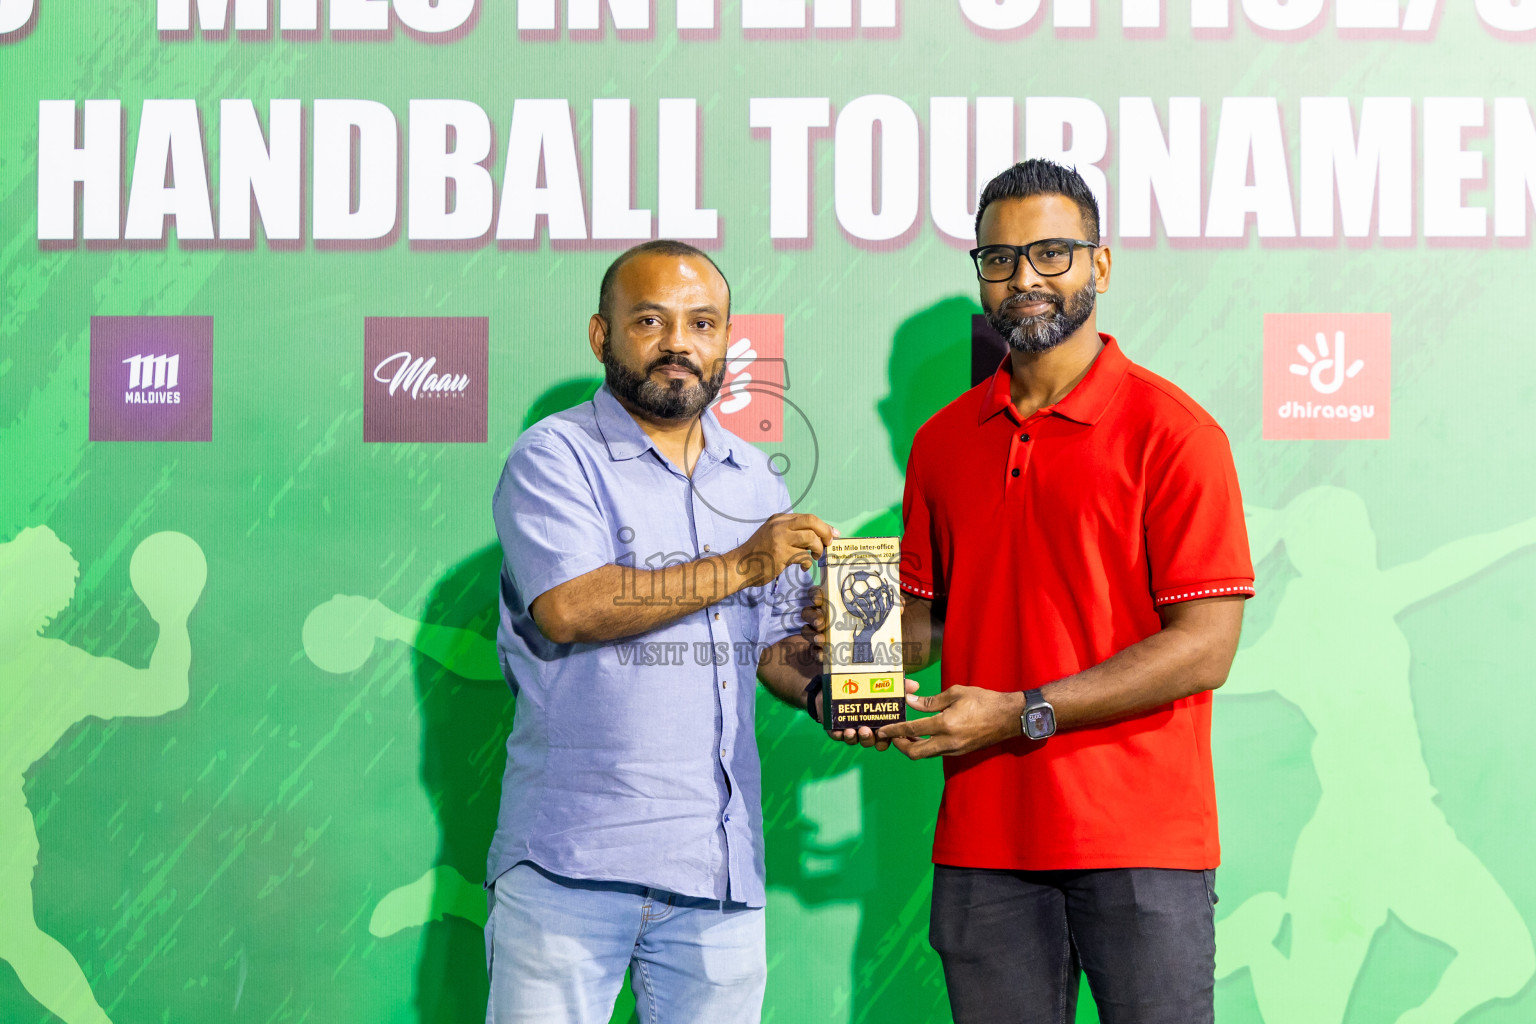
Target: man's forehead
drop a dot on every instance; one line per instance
(1038, 216)
(651, 276)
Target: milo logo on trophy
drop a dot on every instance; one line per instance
(863, 652)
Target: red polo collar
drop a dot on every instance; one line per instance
(1084, 404)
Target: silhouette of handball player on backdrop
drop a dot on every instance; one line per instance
(46, 686)
(463, 747)
(1377, 843)
(338, 637)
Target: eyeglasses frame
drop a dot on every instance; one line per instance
(1023, 251)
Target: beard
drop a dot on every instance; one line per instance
(675, 400)
(1035, 334)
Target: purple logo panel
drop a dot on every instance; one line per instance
(151, 378)
(424, 378)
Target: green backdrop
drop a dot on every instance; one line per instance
(285, 843)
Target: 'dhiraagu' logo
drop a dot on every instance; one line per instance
(751, 402)
(424, 378)
(1327, 376)
(151, 378)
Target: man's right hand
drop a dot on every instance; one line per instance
(785, 539)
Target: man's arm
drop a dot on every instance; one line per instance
(1191, 654)
(788, 667)
(617, 601)
(922, 633)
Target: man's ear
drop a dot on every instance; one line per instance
(1102, 261)
(597, 333)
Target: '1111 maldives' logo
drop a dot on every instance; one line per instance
(151, 378)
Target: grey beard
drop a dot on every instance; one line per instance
(1042, 333)
(676, 400)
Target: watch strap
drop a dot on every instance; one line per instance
(812, 690)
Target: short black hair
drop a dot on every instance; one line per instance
(656, 247)
(1042, 178)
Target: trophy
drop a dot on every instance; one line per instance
(865, 683)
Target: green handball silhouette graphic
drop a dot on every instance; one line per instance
(868, 598)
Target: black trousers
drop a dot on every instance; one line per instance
(1014, 944)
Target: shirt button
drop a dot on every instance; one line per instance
(706, 548)
(722, 751)
(724, 683)
(1015, 472)
(717, 616)
(1023, 437)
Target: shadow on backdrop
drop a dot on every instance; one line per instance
(852, 826)
(466, 715)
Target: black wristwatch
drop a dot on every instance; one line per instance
(811, 691)
(1039, 718)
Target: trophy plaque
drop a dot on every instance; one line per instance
(865, 683)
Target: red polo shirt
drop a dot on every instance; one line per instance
(1049, 542)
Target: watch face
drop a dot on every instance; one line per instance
(1039, 723)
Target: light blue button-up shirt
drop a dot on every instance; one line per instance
(635, 760)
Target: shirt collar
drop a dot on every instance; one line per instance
(626, 439)
(1084, 404)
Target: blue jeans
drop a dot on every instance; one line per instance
(1015, 943)
(557, 949)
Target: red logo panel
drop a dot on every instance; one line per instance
(751, 402)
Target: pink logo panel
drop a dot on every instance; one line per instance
(1327, 376)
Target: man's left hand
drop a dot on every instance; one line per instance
(968, 718)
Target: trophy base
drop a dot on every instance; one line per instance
(863, 699)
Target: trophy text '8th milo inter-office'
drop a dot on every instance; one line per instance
(864, 682)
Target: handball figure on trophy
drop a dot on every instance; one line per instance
(868, 598)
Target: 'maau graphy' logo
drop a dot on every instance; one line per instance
(1327, 376)
(151, 378)
(412, 377)
(425, 378)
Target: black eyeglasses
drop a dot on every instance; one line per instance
(1049, 256)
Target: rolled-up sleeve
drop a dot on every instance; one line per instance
(779, 603)
(551, 527)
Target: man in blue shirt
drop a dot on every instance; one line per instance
(643, 587)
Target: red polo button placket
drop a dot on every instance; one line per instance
(1020, 447)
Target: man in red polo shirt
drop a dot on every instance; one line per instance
(1075, 555)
